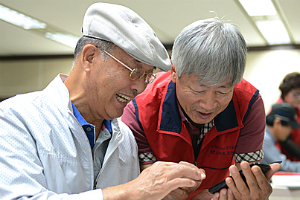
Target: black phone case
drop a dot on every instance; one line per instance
(216, 188)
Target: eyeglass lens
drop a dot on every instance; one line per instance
(139, 73)
(136, 73)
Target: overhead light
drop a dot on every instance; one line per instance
(264, 15)
(63, 38)
(258, 7)
(273, 31)
(35, 26)
(19, 19)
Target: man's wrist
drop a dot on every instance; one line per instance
(119, 192)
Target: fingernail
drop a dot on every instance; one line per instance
(245, 166)
(255, 169)
(193, 183)
(224, 192)
(233, 170)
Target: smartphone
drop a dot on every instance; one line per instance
(216, 188)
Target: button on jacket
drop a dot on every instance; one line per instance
(45, 152)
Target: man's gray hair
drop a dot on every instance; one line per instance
(100, 44)
(212, 49)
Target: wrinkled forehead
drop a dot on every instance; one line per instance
(227, 83)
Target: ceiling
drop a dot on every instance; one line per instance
(166, 17)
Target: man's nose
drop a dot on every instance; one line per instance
(139, 86)
(208, 101)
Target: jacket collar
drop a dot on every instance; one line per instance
(171, 120)
(58, 93)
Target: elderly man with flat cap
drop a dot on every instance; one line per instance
(66, 142)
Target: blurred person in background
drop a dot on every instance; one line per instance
(280, 123)
(290, 93)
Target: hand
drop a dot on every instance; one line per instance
(178, 194)
(204, 195)
(183, 193)
(157, 181)
(258, 188)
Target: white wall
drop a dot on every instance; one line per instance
(266, 69)
(23, 76)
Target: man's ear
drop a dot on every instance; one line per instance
(173, 74)
(88, 55)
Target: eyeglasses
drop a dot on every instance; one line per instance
(136, 73)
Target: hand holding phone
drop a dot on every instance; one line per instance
(216, 188)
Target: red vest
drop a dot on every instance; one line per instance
(158, 115)
(295, 136)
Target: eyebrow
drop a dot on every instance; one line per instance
(227, 85)
(151, 70)
(139, 64)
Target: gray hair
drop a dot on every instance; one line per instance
(100, 44)
(213, 50)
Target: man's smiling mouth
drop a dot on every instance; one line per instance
(122, 98)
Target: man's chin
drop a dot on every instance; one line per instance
(201, 121)
(204, 119)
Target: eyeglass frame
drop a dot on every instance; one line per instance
(149, 78)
